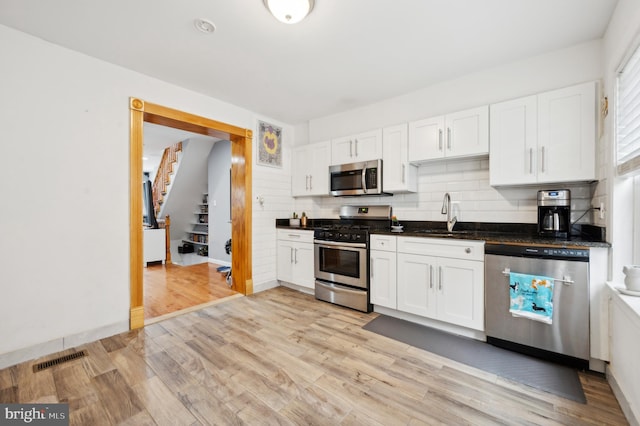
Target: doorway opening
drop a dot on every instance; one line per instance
(241, 139)
(188, 217)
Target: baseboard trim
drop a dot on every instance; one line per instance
(219, 262)
(449, 328)
(265, 286)
(46, 348)
(299, 288)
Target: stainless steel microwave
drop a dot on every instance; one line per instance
(364, 178)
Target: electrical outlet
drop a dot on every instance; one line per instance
(601, 210)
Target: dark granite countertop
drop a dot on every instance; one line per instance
(498, 233)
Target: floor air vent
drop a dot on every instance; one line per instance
(57, 361)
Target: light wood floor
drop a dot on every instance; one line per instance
(281, 357)
(171, 288)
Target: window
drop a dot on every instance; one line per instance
(628, 116)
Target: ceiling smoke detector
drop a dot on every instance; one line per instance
(204, 25)
(289, 11)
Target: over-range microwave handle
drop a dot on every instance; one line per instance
(364, 179)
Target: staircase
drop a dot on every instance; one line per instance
(163, 176)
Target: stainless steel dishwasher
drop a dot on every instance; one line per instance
(566, 339)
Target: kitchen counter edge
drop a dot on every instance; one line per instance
(479, 236)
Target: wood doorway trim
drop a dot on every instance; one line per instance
(141, 112)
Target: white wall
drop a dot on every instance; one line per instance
(219, 164)
(466, 180)
(550, 71)
(64, 245)
(271, 199)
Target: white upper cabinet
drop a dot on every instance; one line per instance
(361, 147)
(567, 134)
(545, 138)
(397, 174)
(310, 170)
(426, 139)
(514, 137)
(460, 134)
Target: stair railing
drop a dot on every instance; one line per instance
(163, 176)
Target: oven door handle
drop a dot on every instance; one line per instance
(334, 244)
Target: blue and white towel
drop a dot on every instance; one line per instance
(531, 297)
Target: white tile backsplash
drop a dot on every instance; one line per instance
(468, 183)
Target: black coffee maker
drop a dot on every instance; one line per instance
(554, 213)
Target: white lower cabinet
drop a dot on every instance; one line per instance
(383, 271)
(442, 279)
(416, 293)
(295, 257)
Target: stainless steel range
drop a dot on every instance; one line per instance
(341, 256)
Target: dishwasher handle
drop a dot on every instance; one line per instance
(566, 280)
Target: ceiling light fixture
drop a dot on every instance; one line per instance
(204, 25)
(289, 11)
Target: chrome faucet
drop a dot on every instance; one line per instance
(446, 209)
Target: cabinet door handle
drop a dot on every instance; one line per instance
(306, 182)
(543, 159)
(440, 277)
(356, 147)
(530, 161)
(467, 250)
(296, 257)
(403, 172)
(372, 268)
(350, 148)
(430, 276)
(291, 255)
(439, 139)
(449, 138)
(310, 182)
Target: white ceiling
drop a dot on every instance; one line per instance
(347, 53)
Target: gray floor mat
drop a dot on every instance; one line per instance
(540, 374)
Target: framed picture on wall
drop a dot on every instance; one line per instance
(269, 145)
